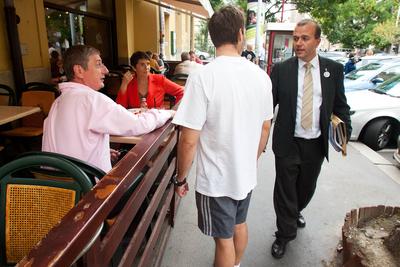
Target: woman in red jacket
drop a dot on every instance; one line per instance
(141, 88)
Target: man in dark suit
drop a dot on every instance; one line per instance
(308, 89)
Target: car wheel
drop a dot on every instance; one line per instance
(202, 57)
(378, 133)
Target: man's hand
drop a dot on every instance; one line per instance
(114, 155)
(182, 190)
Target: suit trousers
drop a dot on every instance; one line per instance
(295, 183)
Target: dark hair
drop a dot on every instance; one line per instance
(137, 56)
(304, 22)
(225, 24)
(54, 54)
(250, 13)
(77, 55)
(149, 53)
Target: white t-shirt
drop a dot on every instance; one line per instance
(228, 100)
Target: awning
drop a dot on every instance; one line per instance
(199, 8)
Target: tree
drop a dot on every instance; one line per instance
(386, 33)
(351, 22)
(201, 40)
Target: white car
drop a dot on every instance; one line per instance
(396, 154)
(202, 55)
(336, 56)
(375, 114)
(370, 75)
(371, 59)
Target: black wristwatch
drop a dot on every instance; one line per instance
(176, 182)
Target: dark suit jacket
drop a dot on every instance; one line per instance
(284, 88)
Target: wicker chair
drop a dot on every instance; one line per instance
(37, 95)
(31, 207)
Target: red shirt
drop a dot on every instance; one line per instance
(158, 86)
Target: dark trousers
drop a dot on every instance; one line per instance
(295, 183)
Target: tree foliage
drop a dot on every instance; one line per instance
(354, 23)
(386, 33)
(202, 41)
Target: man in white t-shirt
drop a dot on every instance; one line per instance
(225, 116)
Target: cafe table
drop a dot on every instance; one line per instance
(12, 113)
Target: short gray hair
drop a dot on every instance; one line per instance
(77, 55)
(185, 56)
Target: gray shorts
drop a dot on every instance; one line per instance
(217, 216)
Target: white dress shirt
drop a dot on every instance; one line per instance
(315, 130)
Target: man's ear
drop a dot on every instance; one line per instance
(78, 71)
(241, 34)
(240, 39)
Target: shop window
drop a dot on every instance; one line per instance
(65, 29)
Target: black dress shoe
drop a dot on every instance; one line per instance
(278, 248)
(301, 222)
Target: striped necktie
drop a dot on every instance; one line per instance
(307, 101)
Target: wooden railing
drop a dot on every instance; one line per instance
(137, 235)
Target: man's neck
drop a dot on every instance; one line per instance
(227, 50)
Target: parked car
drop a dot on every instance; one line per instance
(370, 75)
(202, 55)
(375, 58)
(396, 154)
(346, 50)
(336, 56)
(375, 114)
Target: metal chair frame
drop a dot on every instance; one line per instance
(10, 174)
(5, 90)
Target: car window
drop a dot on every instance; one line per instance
(391, 86)
(354, 75)
(389, 73)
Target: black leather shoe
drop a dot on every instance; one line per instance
(301, 222)
(278, 248)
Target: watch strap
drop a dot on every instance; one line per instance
(176, 182)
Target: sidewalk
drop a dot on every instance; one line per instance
(344, 184)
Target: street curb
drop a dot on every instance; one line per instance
(379, 161)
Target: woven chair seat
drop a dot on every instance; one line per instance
(49, 205)
(31, 207)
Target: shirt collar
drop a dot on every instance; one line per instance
(65, 86)
(314, 62)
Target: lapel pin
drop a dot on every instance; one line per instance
(326, 73)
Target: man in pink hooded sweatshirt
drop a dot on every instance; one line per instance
(81, 119)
